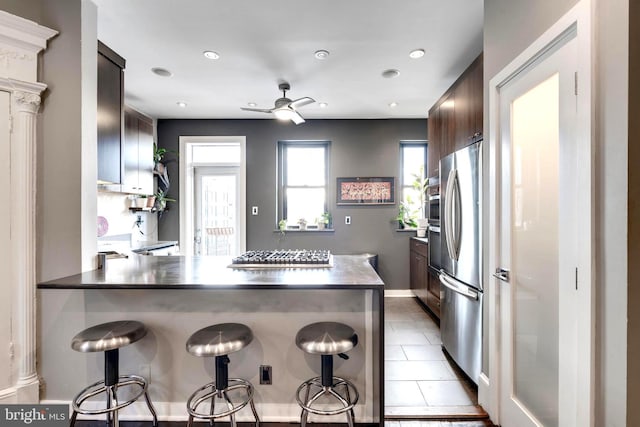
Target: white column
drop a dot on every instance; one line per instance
(20, 42)
(23, 225)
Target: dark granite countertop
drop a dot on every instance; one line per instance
(180, 272)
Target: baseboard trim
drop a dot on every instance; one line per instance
(398, 293)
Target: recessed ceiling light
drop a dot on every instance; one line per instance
(162, 72)
(393, 104)
(390, 73)
(321, 54)
(209, 54)
(181, 104)
(417, 53)
(252, 104)
(323, 105)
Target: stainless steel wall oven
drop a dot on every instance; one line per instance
(433, 192)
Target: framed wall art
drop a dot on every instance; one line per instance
(365, 191)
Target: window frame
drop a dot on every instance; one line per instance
(406, 143)
(282, 172)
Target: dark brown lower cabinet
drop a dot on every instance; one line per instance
(424, 281)
(418, 252)
(433, 292)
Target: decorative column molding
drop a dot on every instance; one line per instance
(20, 42)
(25, 106)
(27, 101)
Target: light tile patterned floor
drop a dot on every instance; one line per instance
(417, 373)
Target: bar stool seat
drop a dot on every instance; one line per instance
(327, 339)
(109, 338)
(219, 341)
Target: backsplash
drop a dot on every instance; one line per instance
(121, 221)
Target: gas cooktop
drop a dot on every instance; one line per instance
(297, 258)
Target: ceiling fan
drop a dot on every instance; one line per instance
(284, 108)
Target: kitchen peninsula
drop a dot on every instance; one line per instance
(175, 296)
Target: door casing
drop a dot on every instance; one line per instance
(578, 19)
(187, 188)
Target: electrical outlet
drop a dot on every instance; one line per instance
(347, 220)
(265, 374)
(254, 210)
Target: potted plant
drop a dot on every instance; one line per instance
(421, 184)
(404, 216)
(162, 199)
(324, 220)
(159, 165)
(302, 223)
(151, 200)
(159, 153)
(282, 226)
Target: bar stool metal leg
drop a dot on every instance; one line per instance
(327, 339)
(108, 338)
(212, 410)
(218, 341)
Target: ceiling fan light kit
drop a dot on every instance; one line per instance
(284, 108)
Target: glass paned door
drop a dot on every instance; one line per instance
(216, 211)
(538, 243)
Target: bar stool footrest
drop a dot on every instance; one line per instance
(100, 387)
(345, 399)
(209, 391)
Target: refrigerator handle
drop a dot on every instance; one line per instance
(448, 230)
(457, 215)
(458, 288)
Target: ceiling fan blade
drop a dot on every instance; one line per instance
(257, 110)
(301, 102)
(297, 118)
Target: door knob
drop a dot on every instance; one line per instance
(502, 274)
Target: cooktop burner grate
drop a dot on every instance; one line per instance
(297, 258)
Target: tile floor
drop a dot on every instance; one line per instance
(419, 380)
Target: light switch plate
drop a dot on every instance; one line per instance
(254, 210)
(347, 220)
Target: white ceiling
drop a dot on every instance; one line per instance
(263, 42)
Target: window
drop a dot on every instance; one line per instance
(303, 176)
(413, 158)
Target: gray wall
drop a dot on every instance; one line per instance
(358, 148)
(66, 196)
(510, 26)
(66, 153)
(28, 9)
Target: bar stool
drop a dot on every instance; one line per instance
(327, 339)
(219, 341)
(108, 338)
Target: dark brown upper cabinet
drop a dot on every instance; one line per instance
(110, 115)
(456, 119)
(137, 153)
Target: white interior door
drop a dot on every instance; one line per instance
(537, 237)
(217, 211)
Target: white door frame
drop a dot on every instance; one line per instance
(187, 186)
(580, 17)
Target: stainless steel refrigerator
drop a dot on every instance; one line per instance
(460, 273)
